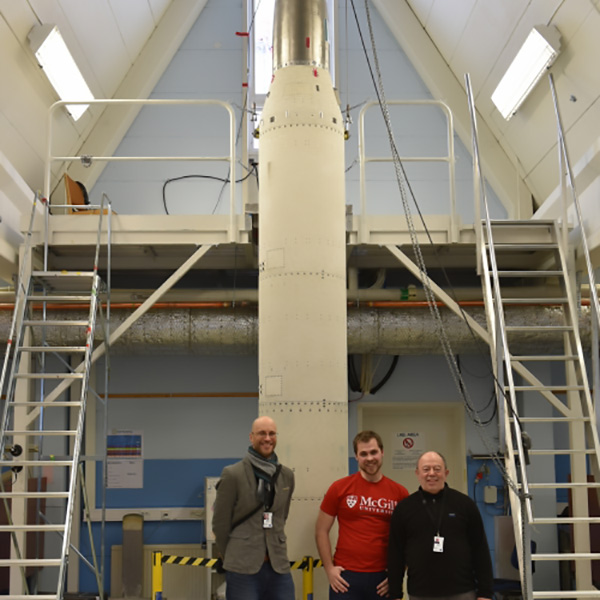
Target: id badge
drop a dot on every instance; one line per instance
(438, 543)
(267, 520)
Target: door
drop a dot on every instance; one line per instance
(410, 428)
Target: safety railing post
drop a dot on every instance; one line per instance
(308, 578)
(157, 576)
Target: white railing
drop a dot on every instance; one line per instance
(448, 158)
(230, 158)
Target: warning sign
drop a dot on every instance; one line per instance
(407, 447)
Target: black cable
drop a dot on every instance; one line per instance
(353, 380)
(225, 180)
(385, 378)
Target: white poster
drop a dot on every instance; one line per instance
(407, 446)
(125, 459)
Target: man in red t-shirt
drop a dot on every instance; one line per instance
(363, 504)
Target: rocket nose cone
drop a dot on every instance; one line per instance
(300, 33)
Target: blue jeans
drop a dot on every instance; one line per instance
(264, 585)
(361, 586)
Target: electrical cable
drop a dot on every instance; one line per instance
(354, 380)
(386, 377)
(198, 176)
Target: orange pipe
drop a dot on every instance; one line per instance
(6, 306)
(131, 305)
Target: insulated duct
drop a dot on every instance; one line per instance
(234, 331)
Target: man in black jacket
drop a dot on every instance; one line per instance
(437, 533)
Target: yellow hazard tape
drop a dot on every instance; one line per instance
(192, 561)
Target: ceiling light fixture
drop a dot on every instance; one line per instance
(535, 56)
(59, 66)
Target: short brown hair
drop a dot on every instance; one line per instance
(362, 437)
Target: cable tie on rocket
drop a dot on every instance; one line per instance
(242, 33)
(308, 42)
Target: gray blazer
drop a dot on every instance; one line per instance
(244, 549)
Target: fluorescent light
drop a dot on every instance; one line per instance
(537, 54)
(55, 59)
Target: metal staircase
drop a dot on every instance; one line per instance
(547, 417)
(42, 429)
(548, 409)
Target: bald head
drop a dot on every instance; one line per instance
(432, 472)
(263, 436)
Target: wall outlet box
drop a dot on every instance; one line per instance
(490, 494)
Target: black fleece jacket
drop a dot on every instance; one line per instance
(465, 562)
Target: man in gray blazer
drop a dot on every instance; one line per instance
(251, 507)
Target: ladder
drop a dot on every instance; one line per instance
(547, 414)
(41, 439)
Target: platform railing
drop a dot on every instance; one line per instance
(229, 158)
(448, 158)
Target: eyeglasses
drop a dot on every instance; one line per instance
(264, 434)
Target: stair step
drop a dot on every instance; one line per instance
(548, 388)
(545, 300)
(567, 556)
(32, 528)
(36, 463)
(561, 452)
(561, 485)
(545, 357)
(36, 433)
(531, 273)
(552, 419)
(68, 349)
(59, 298)
(30, 597)
(522, 246)
(57, 404)
(559, 520)
(61, 274)
(34, 495)
(49, 376)
(30, 562)
(566, 594)
(55, 323)
(542, 328)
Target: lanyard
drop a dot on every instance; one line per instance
(429, 511)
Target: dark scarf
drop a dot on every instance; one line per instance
(266, 471)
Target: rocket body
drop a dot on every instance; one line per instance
(302, 265)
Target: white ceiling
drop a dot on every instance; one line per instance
(123, 46)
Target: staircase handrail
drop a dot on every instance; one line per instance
(564, 153)
(19, 306)
(500, 342)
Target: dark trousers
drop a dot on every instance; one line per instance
(362, 586)
(264, 585)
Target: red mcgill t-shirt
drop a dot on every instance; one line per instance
(363, 510)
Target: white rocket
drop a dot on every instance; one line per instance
(302, 263)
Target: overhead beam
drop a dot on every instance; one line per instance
(444, 85)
